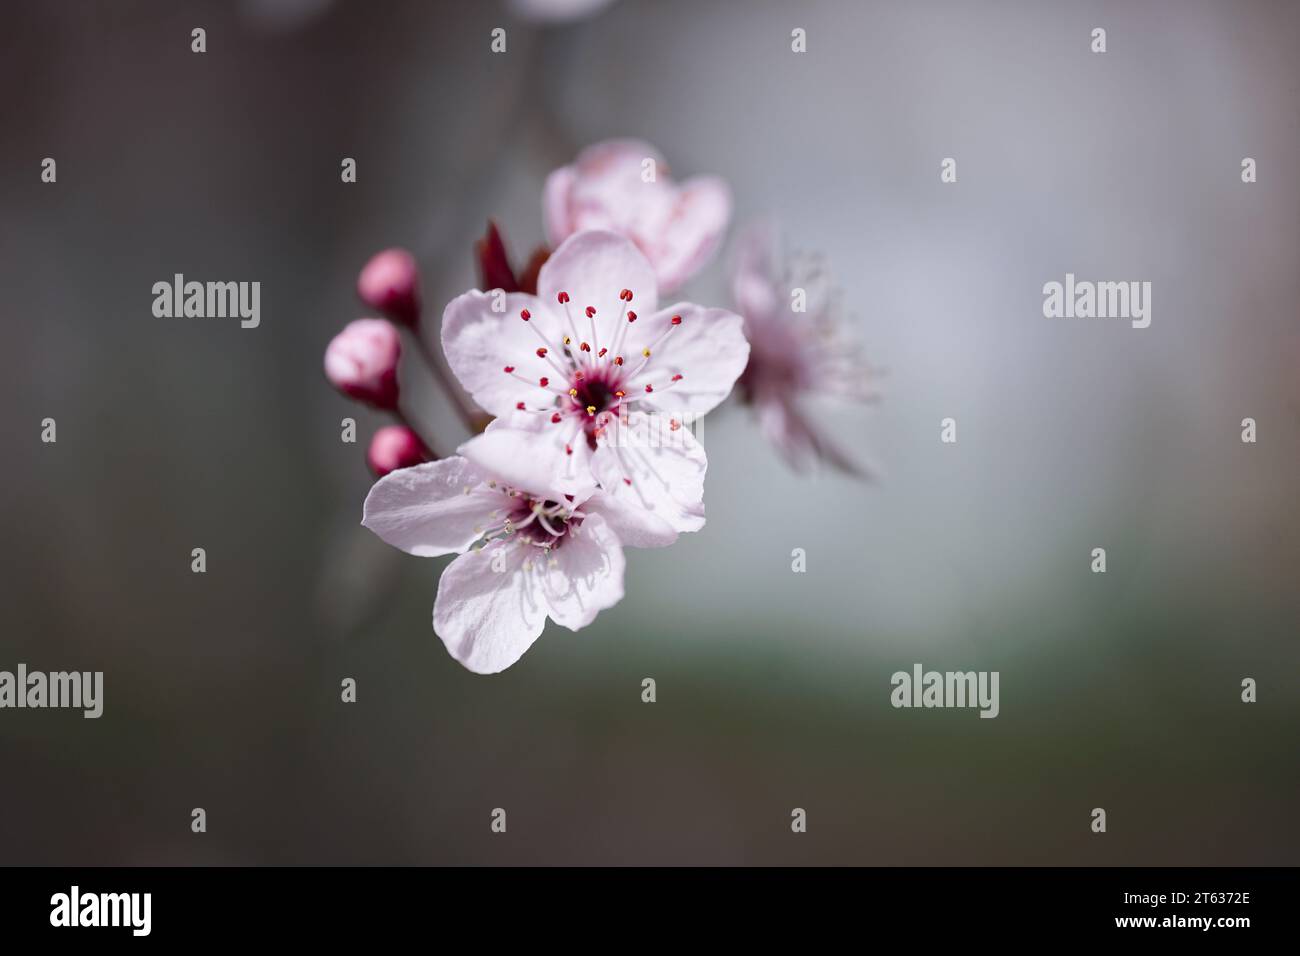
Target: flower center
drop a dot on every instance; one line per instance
(593, 376)
(530, 521)
(596, 392)
(543, 523)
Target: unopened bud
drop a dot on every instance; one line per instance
(394, 447)
(361, 362)
(390, 284)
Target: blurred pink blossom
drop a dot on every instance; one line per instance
(623, 186)
(361, 362)
(798, 348)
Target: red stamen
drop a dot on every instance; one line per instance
(563, 297)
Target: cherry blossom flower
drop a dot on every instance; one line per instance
(794, 354)
(678, 228)
(361, 362)
(578, 372)
(523, 557)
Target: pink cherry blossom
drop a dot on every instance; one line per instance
(390, 284)
(677, 227)
(361, 362)
(394, 447)
(555, 11)
(578, 371)
(794, 354)
(523, 557)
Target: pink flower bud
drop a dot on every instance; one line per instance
(361, 362)
(390, 284)
(394, 447)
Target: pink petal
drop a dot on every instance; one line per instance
(633, 524)
(593, 268)
(708, 349)
(755, 273)
(555, 204)
(586, 576)
(488, 618)
(643, 463)
(800, 443)
(701, 211)
(480, 343)
(533, 458)
(425, 510)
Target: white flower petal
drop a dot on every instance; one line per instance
(645, 463)
(486, 617)
(584, 575)
(593, 267)
(631, 522)
(480, 343)
(534, 458)
(431, 509)
(708, 349)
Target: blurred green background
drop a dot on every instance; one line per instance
(222, 690)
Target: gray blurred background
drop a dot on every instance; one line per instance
(222, 690)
